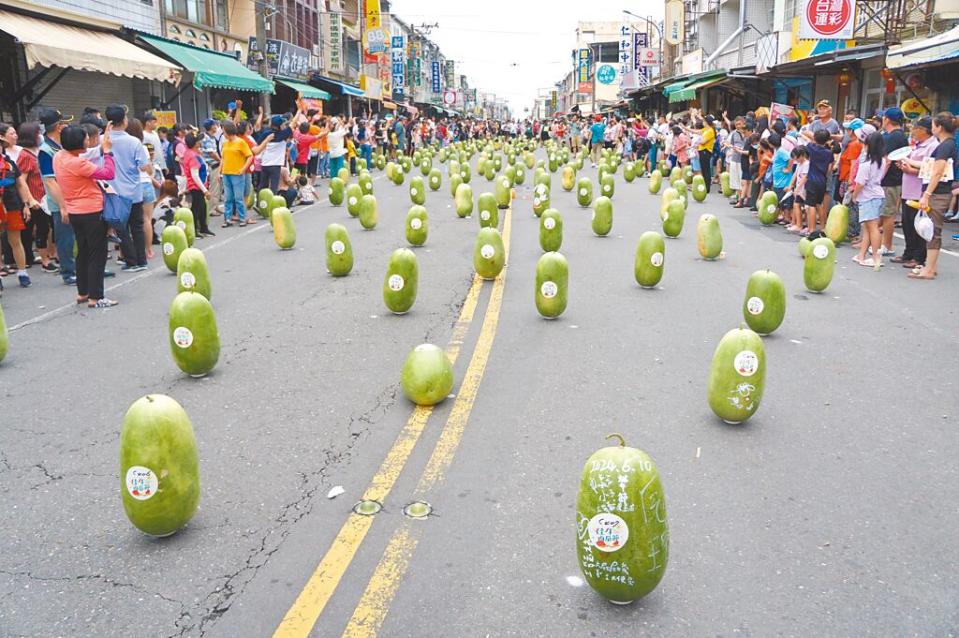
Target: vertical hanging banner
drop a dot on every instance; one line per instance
(334, 52)
(674, 22)
(627, 79)
(374, 36)
(398, 59)
(644, 58)
(584, 71)
(827, 19)
(373, 19)
(436, 82)
(451, 73)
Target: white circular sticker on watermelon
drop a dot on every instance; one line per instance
(548, 289)
(413, 192)
(168, 248)
(605, 188)
(338, 247)
(188, 280)
(487, 251)
(352, 201)
(416, 223)
(582, 192)
(549, 223)
(484, 215)
(700, 188)
(755, 306)
(746, 363)
(820, 252)
(181, 225)
(182, 337)
(607, 532)
(141, 482)
(396, 283)
(656, 259)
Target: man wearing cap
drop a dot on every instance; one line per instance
(130, 159)
(893, 138)
(848, 163)
(53, 124)
(823, 120)
(210, 152)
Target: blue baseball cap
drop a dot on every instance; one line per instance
(895, 114)
(854, 124)
(276, 120)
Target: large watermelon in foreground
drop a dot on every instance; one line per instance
(427, 375)
(737, 376)
(159, 466)
(622, 535)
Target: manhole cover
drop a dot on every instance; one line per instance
(367, 507)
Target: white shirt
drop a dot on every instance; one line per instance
(152, 143)
(335, 139)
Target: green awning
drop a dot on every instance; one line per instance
(675, 86)
(688, 92)
(306, 90)
(209, 68)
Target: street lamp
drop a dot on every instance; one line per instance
(659, 32)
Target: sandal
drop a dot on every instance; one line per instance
(83, 299)
(243, 223)
(228, 224)
(102, 303)
(919, 275)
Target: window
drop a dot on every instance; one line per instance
(608, 52)
(221, 15)
(190, 33)
(192, 10)
(204, 37)
(175, 29)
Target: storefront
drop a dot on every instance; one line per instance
(925, 71)
(342, 95)
(212, 81)
(73, 65)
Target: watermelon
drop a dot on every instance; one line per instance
(837, 224)
(803, 246)
(159, 466)
(400, 283)
(354, 193)
(343, 175)
(541, 199)
(520, 175)
(263, 199)
(673, 218)
(650, 258)
(568, 178)
(550, 230)
(709, 239)
(765, 303)
(820, 262)
(465, 174)
(503, 191)
(427, 375)
(675, 175)
(655, 181)
(768, 208)
(417, 190)
(607, 185)
(699, 188)
(279, 201)
(173, 243)
(584, 192)
(464, 200)
(183, 218)
(488, 211)
(489, 253)
(336, 191)
(455, 181)
(552, 285)
(544, 178)
(435, 179)
(192, 273)
(369, 212)
(194, 339)
(417, 225)
(339, 250)
(365, 183)
(602, 221)
(622, 534)
(284, 230)
(737, 375)
(724, 184)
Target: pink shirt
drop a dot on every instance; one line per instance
(911, 184)
(77, 179)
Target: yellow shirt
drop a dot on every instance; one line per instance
(350, 149)
(234, 153)
(709, 138)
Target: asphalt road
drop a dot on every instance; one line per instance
(831, 513)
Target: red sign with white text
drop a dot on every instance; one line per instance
(827, 20)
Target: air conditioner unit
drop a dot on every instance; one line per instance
(316, 50)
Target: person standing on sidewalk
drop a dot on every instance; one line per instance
(210, 152)
(53, 123)
(937, 188)
(237, 158)
(893, 137)
(82, 201)
(131, 160)
(196, 188)
(16, 202)
(914, 254)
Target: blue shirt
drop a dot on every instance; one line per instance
(781, 177)
(820, 158)
(596, 131)
(129, 154)
(48, 149)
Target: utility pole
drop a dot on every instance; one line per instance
(260, 17)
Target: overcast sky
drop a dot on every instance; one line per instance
(487, 38)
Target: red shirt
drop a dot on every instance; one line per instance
(303, 143)
(27, 163)
(188, 162)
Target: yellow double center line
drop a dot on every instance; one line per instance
(369, 614)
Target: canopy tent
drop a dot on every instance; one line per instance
(209, 68)
(49, 44)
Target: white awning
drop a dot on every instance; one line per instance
(944, 46)
(49, 44)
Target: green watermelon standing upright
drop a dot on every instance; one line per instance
(709, 239)
(650, 259)
(550, 230)
(489, 253)
(192, 273)
(622, 532)
(194, 338)
(339, 250)
(172, 243)
(737, 375)
(159, 466)
(764, 306)
(417, 225)
(401, 281)
(820, 263)
(602, 220)
(552, 285)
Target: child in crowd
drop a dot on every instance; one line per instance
(799, 157)
(868, 193)
(287, 187)
(351, 152)
(164, 208)
(306, 194)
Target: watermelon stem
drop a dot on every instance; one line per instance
(622, 441)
